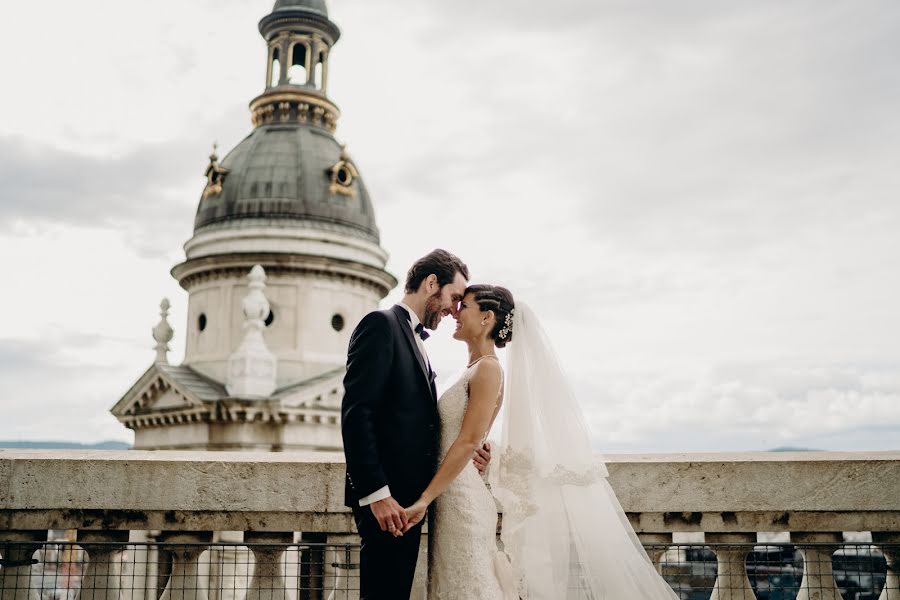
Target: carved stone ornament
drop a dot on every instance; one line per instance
(342, 175)
(162, 333)
(215, 175)
(252, 367)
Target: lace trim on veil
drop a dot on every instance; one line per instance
(563, 530)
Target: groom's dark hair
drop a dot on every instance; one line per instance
(438, 262)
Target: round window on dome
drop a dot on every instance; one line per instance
(201, 321)
(337, 322)
(344, 176)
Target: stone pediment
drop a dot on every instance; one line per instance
(166, 389)
(322, 391)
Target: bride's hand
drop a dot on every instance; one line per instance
(415, 514)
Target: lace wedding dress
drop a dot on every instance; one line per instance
(464, 526)
(564, 533)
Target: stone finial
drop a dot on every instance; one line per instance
(163, 333)
(252, 367)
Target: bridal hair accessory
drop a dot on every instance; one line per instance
(507, 324)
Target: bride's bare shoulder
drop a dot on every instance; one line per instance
(486, 373)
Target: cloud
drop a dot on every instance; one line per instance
(62, 386)
(142, 190)
(748, 407)
(697, 196)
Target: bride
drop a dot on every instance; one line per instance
(564, 535)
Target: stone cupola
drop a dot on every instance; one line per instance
(290, 199)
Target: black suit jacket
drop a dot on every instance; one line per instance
(390, 422)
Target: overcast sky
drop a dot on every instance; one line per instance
(700, 198)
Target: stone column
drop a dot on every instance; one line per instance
(142, 569)
(891, 553)
(660, 542)
(184, 582)
(732, 582)
(267, 582)
(101, 577)
(344, 567)
(17, 549)
(818, 576)
(229, 566)
(285, 65)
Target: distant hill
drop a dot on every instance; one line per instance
(109, 445)
(793, 449)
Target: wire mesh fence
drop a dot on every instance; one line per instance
(774, 571)
(317, 570)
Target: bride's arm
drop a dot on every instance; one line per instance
(484, 393)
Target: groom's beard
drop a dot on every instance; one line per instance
(433, 312)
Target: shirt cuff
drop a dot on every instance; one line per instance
(375, 496)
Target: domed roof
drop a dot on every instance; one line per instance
(315, 5)
(291, 173)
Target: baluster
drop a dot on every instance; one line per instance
(818, 576)
(732, 582)
(345, 565)
(229, 566)
(184, 582)
(891, 553)
(660, 543)
(17, 549)
(267, 582)
(101, 577)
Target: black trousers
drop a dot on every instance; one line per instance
(387, 564)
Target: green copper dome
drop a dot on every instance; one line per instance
(292, 173)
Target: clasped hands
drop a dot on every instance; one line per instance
(397, 520)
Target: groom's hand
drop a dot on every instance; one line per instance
(390, 516)
(482, 458)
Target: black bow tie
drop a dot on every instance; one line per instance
(420, 329)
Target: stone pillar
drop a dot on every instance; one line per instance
(101, 577)
(732, 582)
(267, 582)
(344, 584)
(660, 542)
(818, 576)
(184, 582)
(229, 566)
(891, 590)
(142, 568)
(283, 48)
(17, 549)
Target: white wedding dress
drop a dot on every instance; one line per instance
(464, 524)
(564, 532)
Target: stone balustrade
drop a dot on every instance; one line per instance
(729, 499)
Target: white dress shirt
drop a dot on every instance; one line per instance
(385, 492)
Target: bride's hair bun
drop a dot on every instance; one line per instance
(500, 300)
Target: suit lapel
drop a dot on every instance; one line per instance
(403, 318)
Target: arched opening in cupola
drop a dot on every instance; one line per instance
(275, 68)
(298, 74)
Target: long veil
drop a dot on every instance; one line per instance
(564, 531)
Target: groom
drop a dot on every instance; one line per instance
(390, 422)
